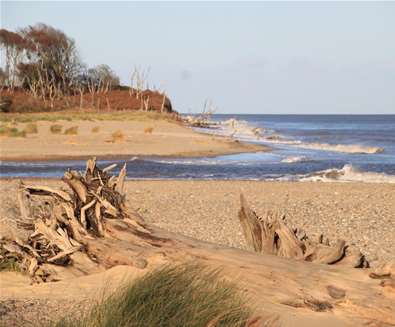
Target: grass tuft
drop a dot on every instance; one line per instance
(117, 136)
(9, 264)
(56, 129)
(95, 129)
(11, 131)
(148, 130)
(87, 116)
(71, 131)
(173, 296)
(31, 128)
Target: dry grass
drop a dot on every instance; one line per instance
(56, 129)
(117, 137)
(87, 115)
(71, 131)
(11, 131)
(95, 129)
(173, 296)
(148, 130)
(31, 128)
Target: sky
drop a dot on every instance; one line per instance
(246, 57)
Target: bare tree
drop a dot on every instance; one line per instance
(139, 82)
(3, 79)
(13, 45)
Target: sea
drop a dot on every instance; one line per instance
(303, 148)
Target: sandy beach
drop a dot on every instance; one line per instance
(116, 138)
(361, 213)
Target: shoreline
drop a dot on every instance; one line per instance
(197, 154)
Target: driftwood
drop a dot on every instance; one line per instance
(271, 235)
(73, 237)
(70, 221)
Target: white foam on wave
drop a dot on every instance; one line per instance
(294, 159)
(346, 148)
(242, 130)
(347, 174)
(184, 161)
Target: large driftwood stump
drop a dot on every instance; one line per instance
(88, 229)
(271, 235)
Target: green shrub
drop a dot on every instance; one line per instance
(56, 129)
(31, 128)
(169, 297)
(71, 131)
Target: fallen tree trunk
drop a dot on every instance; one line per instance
(73, 237)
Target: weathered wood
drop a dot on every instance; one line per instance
(73, 180)
(98, 218)
(46, 190)
(252, 229)
(271, 235)
(108, 168)
(120, 180)
(90, 166)
(83, 211)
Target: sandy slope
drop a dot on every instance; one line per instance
(166, 139)
(26, 304)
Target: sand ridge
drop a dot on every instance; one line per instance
(134, 137)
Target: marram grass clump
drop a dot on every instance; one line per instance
(71, 130)
(31, 128)
(148, 130)
(11, 131)
(56, 129)
(117, 136)
(173, 296)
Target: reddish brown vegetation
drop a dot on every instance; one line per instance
(23, 101)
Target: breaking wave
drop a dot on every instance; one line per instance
(244, 131)
(346, 148)
(348, 173)
(294, 159)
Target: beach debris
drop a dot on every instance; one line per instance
(271, 235)
(203, 120)
(60, 223)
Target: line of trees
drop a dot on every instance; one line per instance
(45, 61)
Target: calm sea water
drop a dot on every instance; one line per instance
(287, 160)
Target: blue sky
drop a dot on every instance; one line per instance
(257, 57)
